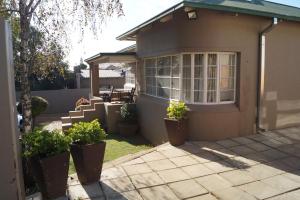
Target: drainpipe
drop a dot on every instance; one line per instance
(261, 71)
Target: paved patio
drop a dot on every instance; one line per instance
(262, 166)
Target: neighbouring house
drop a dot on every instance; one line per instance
(234, 62)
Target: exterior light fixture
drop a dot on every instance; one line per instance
(192, 15)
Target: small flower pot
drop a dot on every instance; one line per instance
(51, 174)
(88, 161)
(128, 129)
(177, 131)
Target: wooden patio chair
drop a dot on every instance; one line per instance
(129, 98)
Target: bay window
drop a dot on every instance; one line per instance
(200, 78)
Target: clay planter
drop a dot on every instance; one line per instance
(128, 129)
(177, 131)
(51, 174)
(88, 161)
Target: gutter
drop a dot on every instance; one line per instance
(261, 72)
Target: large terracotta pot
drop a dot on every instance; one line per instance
(51, 174)
(88, 161)
(128, 129)
(177, 131)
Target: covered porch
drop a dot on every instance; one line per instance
(127, 58)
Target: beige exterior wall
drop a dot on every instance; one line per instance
(216, 31)
(281, 102)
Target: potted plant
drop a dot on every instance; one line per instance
(48, 155)
(177, 123)
(87, 150)
(128, 125)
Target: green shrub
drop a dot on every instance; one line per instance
(86, 133)
(177, 110)
(128, 113)
(43, 143)
(38, 104)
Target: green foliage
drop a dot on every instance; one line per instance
(87, 133)
(177, 110)
(128, 113)
(39, 105)
(43, 143)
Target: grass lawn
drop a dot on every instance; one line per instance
(118, 146)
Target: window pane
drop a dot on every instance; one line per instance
(212, 72)
(163, 82)
(163, 66)
(211, 84)
(227, 95)
(164, 92)
(175, 83)
(212, 59)
(198, 96)
(199, 72)
(198, 84)
(150, 71)
(199, 59)
(227, 84)
(150, 63)
(175, 66)
(211, 96)
(175, 94)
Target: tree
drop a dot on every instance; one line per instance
(54, 18)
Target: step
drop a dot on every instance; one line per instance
(66, 126)
(86, 107)
(75, 113)
(66, 120)
(96, 100)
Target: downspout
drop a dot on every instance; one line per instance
(261, 72)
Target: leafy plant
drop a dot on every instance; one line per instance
(177, 110)
(86, 133)
(43, 143)
(128, 113)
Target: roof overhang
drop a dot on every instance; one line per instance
(270, 10)
(119, 57)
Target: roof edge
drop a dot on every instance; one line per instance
(109, 54)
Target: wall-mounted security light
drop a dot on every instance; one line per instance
(192, 15)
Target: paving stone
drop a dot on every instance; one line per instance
(281, 183)
(137, 169)
(146, 180)
(118, 185)
(213, 182)
(76, 192)
(59, 198)
(258, 157)
(190, 148)
(295, 176)
(258, 146)
(219, 166)
(209, 145)
(186, 189)
(183, 161)
(260, 190)
(262, 171)
(161, 165)
(173, 175)
(290, 149)
(237, 177)
(243, 140)
(223, 153)
(284, 140)
(295, 195)
(162, 192)
(227, 143)
(197, 170)
(203, 197)
(272, 143)
(274, 154)
(292, 162)
(204, 157)
(73, 180)
(232, 194)
(172, 153)
(152, 156)
(278, 164)
(241, 162)
(111, 173)
(130, 195)
(241, 150)
(133, 162)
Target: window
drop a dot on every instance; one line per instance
(201, 78)
(130, 77)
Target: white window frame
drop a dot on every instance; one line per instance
(192, 101)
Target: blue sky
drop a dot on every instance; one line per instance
(136, 12)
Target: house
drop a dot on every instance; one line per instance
(234, 62)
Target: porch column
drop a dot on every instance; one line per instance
(94, 79)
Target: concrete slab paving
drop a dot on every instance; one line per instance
(261, 166)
